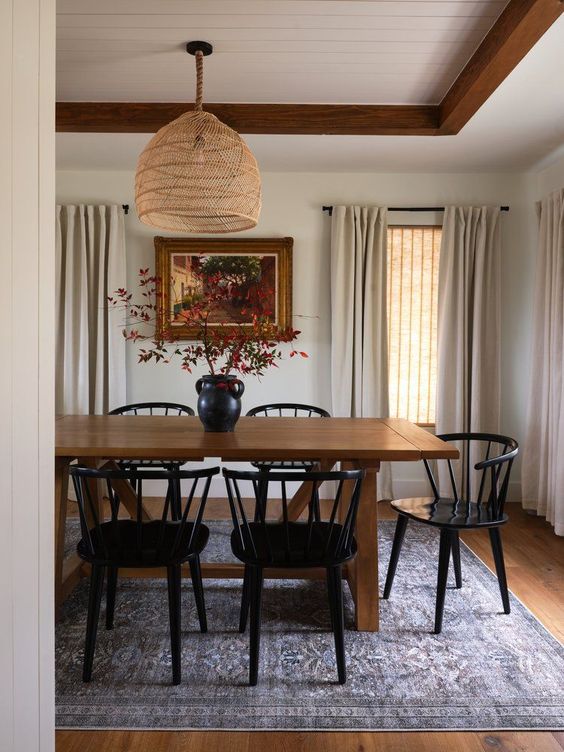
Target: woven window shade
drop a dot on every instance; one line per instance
(413, 277)
(198, 175)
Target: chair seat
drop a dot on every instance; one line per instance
(297, 542)
(123, 549)
(448, 513)
(285, 465)
(127, 464)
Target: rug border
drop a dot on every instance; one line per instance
(541, 730)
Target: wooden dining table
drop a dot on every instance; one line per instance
(98, 440)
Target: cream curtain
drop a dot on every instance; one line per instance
(90, 356)
(469, 323)
(359, 346)
(542, 474)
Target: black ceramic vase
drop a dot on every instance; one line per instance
(219, 402)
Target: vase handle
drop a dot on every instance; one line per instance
(199, 385)
(240, 388)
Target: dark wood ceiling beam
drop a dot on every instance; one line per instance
(334, 119)
(519, 27)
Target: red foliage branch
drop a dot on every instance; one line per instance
(245, 348)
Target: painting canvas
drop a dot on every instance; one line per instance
(244, 267)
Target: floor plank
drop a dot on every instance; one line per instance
(519, 741)
(535, 572)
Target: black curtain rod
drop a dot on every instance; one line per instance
(329, 209)
(125, 208)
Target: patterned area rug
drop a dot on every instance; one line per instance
(485, 671)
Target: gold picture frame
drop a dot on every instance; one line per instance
(175, 258)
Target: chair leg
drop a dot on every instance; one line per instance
(331, 598)
(401, 526)
(175, 510)
(455, 543)
(444, 557)
(111, 588)
(497, 549)
(256, 579)
(245, 600)
(316, 509)
(174, 578)
(197, 584)
(335, 583)
(94, 600)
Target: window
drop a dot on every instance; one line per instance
(413, 276)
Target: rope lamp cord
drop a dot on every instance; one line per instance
(196, 174)
(199, 79)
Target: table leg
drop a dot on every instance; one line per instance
(301, 498)
(362, 571)
(127, 495)
(61, 501)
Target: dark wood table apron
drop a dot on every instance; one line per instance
(96, 440)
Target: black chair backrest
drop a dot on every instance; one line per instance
(335, 536)
(491, 456)
(289, 409)
(175, 529)
(153, 408)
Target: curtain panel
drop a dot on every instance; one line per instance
(469, 326)
(359, 330)
(469, 321)
(90, 347)
(542, 471)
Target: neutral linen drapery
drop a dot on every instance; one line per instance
(542, 473)
(90, 354)
(359, 344)
(469, 322)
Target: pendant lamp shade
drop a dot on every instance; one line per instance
(198, 175)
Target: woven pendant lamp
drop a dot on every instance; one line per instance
(196, 174)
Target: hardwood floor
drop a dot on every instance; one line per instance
(535, 571)
(258, 741)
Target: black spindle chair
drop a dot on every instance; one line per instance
(317, 542)
(152, 408)
(178, 536)
(278, 410)
(479, 504)
(287, 410)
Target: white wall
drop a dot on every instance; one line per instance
(292, 206)
(27, 157)
(551, 178)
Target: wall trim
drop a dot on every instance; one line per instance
(27, 268)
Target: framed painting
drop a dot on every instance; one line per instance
(245, 265)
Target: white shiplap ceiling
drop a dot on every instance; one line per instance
(332, 51)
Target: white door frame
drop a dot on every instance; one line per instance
(27, 328)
